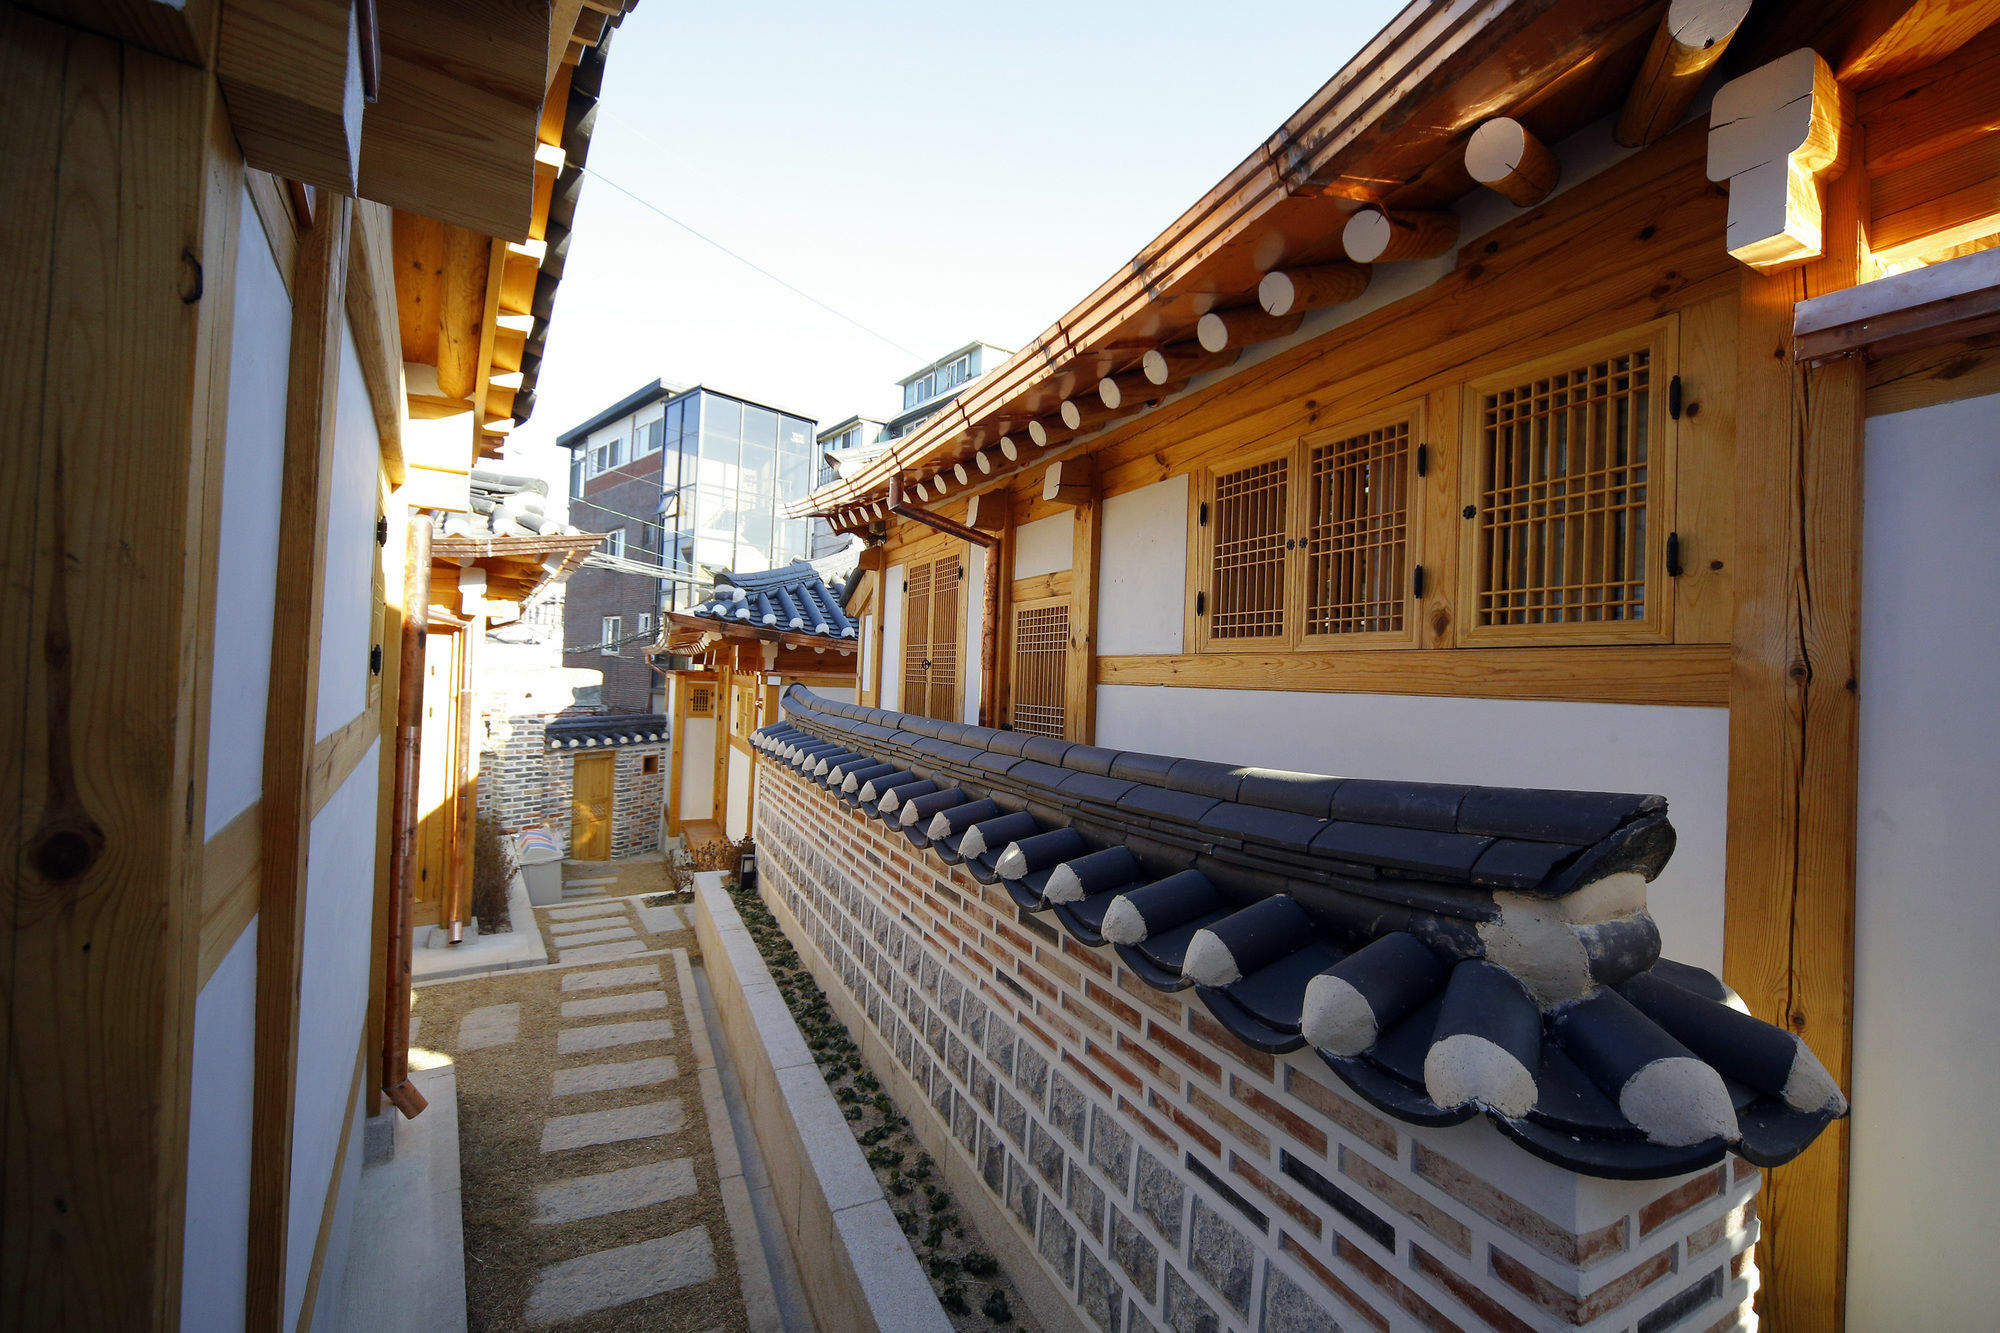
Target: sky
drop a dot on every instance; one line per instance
(936, 175)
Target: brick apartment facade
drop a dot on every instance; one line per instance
(593, 594)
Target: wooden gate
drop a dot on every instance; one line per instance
(590, 808)
(930, 639)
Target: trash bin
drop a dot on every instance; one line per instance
(541, 865)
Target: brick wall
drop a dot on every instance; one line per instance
(1165, 1176)
(523, 783)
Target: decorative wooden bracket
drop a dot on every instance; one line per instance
(1774, 135)
(1070, 481)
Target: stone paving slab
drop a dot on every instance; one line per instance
(620, 1074)
(614, 1191)
(661, 920)
(585, 911)
(600, 953)
(620, 1276)
(570, 1041)
(585, 1129)
(609, 921)
(631, 1002)
(612, 976)
(600, 935)
(490, 1025)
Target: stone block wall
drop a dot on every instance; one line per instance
(636, 798)
(524, 784)
(1163, 1175)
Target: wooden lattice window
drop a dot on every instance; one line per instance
(701, 701)
(1356, 541)
(1311, 545)
(1041, 662)
(1248, 517)
(931, 617)
(1568, 473)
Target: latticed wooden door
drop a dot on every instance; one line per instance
(931, 615)
(1041, 662)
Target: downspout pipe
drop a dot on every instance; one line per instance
(396, 1085)
(989, 621)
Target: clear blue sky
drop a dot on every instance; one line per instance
(939, 174)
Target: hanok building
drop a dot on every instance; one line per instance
(282, 273)
(1493, 440)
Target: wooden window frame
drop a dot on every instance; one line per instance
(1661, 337)
(1018, 674)
(928, 558)
(1298, 451)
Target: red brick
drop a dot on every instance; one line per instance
(1055, 1022)
(1112, 1065)
(1516, 1218)
(1045, 958)
(1149, 997)
(1152, 1064)
(1186, 1054)
(1027, 1025)
(1405, 1200)
(1284, 1202)
(1742, 1169)
(1326, 1278)
(1088, 957)
(1229, 1122)
(1741, 1263)
(1118, 1009)
(1389, 1285)
(1085, 1015)
(1733, 1222)
(1308, 1134)
(1034, 978)
(1131, 1112)
(1673, 1203)
(1217, 1035)
(1580, 1309)
(1021, 943)
(1086, 1073)
(1495, 1315)
(1189, 1126)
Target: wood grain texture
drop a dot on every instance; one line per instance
(229, 880)
(274, 213)
(101, 494)
(182, 30)
(291, 70)
(1793, 750)
(1080, 679)
(335, 755)
(1693, 675)
(290, 723)
(378, 338)
(1969, 368)
(1704, 511)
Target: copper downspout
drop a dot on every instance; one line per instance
(396, 1085)
(989, 621)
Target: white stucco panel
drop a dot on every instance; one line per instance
(892, 638)
(347, 616)
(1142, 570)
(1044, 546)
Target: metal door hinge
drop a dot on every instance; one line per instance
(1674, 398)
(1423, 459)
(375, 660)
(1201, 603)
(1201, 515)
(1417, 582)
(1673, 555)
(381, 529)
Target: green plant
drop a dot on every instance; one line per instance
(953, 1299)
(492, 871)
(979, 1263)
(996, 1307)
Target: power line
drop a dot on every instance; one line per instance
(749, 263)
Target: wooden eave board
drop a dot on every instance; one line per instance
(1401, 107)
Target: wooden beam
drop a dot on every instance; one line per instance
(1133, 389)
(229, 866)
(182, 30)
(1693, 35)
(1772, 133)
(290, 726)
(291, 70)
(1180, 362)
(1220, 330)
(1080, 661)
(1373, 236)
(1290, 291)
(990, 511)
(1927, 208)
(1922, 308)
(1894, 43)
(1503, 156)
(372, 315)
(468, 260)
(118, 198)
(1084, 413)
(1071, 482)
(1935, 109)
(1695, 676)
(453, 134)
(1793, 746)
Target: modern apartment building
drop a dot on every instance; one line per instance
(687, 482)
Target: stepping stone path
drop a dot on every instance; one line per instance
(617, 1277)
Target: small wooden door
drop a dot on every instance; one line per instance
(590, 808)
(930, 639)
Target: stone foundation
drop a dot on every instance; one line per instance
(1163, 1175)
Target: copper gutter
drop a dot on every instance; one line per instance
(396, 1085)
(989, 620)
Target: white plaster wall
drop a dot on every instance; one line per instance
(840, 694)
(333, 1004)
(215, 1260)
(974, 597)
(736, 819)
(246, 577)
(698, 767)
(892, 639)
(1679, 753)
(1045, 546)
(1142, 564)
(347, 630)
(340, 1240)
(1926, 1007)
(864, 630)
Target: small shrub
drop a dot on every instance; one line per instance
(953, 1299)
(996, 1307)
(492, 871)
(979, 1263)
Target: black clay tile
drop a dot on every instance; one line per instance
(922, 726)
(1035, 771)
(1275, 994)
(1405, 804)
(1300, 793)
(1005, 742)
(1046, 749)
(1091, 759)
(1551, 816)
(1202, 778)
(1091, 787)
(996, 763)
(1246, 1026)
(1422, 851)
(956, 731)
(1177, 805)
(1235, 820)
(1569, 1101)
(1510, 863)
(1152, 768)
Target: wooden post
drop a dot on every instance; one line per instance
(464, 780)
(676, 751)
(993, 511)
(1692, 36)
(1080, 663)
(123, 200)
(1372, 236)
(1502, 154)
(725, 697)
(1220, 330)
(407, 700)
(290, 722)
(1289, 291)
(1793, 747)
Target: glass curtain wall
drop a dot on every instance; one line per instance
(731, 474)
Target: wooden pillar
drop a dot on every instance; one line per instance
(1793, 749)
(725, 688)
(123, 200)
(1080, 682)
(676, 749)
(290, 724)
